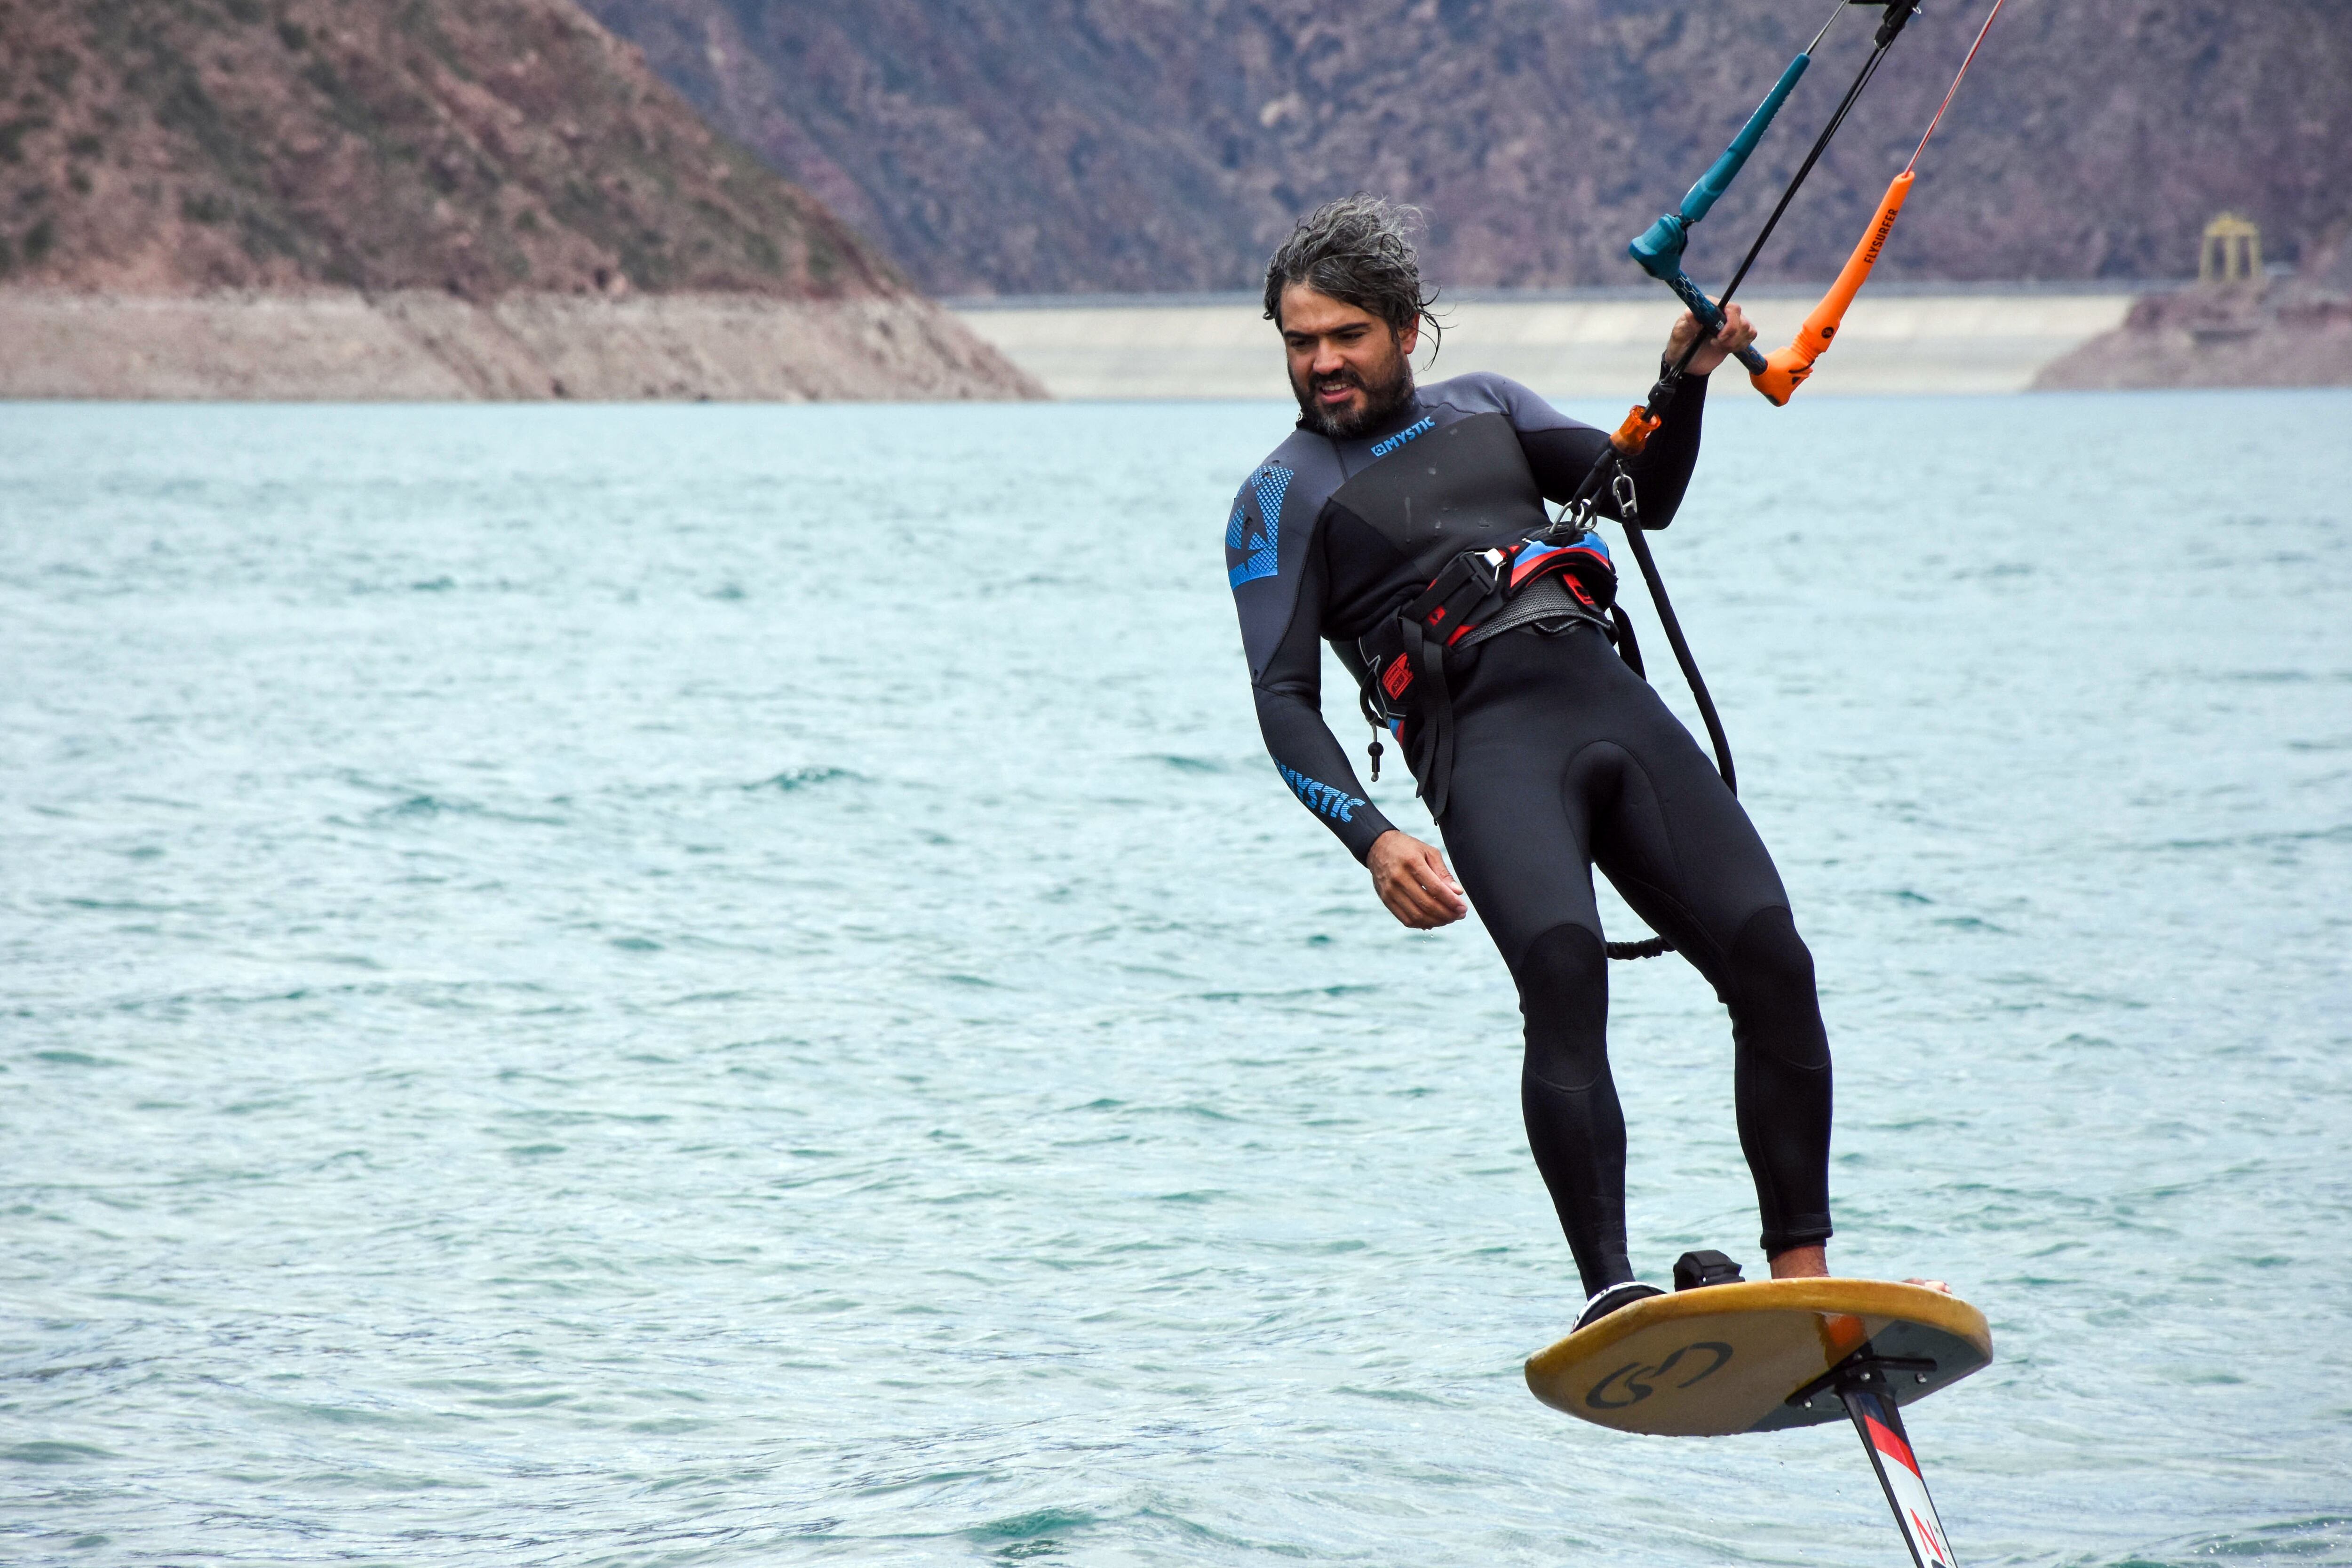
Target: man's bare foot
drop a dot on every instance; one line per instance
(1802, 1263)
(1931, 1284)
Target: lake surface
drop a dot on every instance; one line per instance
(733, 986)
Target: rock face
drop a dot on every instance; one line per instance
(2290, 332)
(1106, 145)
(470, 191)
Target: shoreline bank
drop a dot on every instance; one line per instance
(423, 346)
(1603, 342)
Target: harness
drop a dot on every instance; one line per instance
(1557, 577)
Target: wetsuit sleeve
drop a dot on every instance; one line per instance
(1289, 692)
(1561, 450)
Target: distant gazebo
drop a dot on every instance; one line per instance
(2233, 252)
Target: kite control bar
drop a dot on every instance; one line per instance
(1631, 434)
(1786, 369)
(1659, 248)
(1709, 314)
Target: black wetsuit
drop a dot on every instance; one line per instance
(1564, 759)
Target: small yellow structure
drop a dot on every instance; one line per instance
(2232, 251)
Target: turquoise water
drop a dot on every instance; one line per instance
(731, 986)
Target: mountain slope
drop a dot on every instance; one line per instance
(476, 147)
(1082, 146)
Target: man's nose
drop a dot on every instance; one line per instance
(1328, 359)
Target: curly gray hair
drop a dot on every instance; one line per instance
(1356, 250)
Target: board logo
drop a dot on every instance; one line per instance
(1628, 1380)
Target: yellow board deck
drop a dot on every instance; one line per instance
(1726, 1358)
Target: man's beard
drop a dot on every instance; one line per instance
(1380, 402)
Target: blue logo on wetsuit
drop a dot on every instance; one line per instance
(1263, 545)
(1336, 803)
(1382, 449)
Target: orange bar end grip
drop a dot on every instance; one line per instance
(1785, 370)
(1634, 433)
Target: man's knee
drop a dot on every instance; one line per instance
(1563, 981)
(1772, 990)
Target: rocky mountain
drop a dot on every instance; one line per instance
(476, 147)
(1086, 145)
(416, 198)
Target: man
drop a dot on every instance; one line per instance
(1540, 751)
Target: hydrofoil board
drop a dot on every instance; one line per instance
(1761, 1355)
(1724, 1359)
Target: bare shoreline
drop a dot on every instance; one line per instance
(1602, 342)
(329, 345)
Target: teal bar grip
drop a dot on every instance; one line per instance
(1718, 178)
(1659, 248)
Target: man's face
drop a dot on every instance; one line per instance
(1348, 369)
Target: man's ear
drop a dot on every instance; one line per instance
(1408, 337)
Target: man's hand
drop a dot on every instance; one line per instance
(1413, 881)
(1737, 334)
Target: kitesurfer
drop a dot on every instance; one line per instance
(1541, 752)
